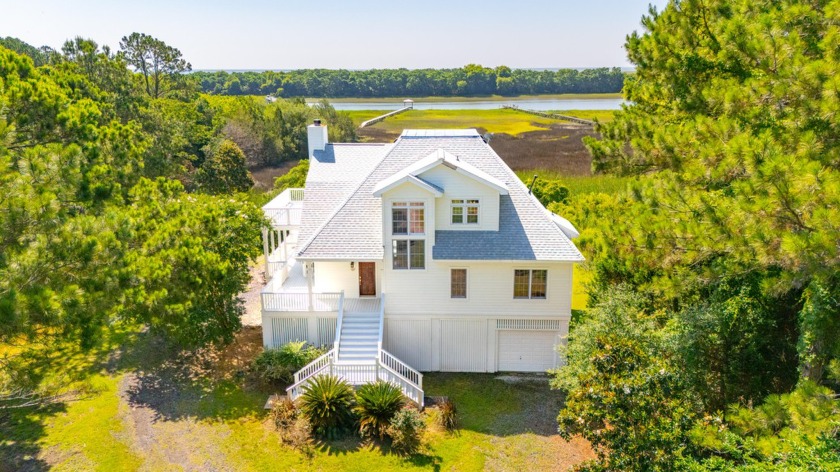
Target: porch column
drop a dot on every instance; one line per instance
(265, 250)
(309, 276)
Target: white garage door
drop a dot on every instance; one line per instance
(526, 351)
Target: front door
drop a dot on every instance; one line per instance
(367, 279)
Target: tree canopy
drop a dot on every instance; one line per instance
(122, 199)
(728, 233)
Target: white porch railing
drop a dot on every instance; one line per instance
(400, 368)
(313, 366)
(328, 301)
(278, 269)
(285, 209)
(338, 322)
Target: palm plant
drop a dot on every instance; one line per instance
(376, 405)
(326, 402)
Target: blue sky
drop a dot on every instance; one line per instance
(359, 34)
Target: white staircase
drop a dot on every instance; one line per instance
(357, 355)
(359, 338)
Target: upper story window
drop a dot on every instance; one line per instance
(409, 253)
(464, 211)
(408, 218)
(529, 283)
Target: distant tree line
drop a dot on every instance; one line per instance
(469, 80)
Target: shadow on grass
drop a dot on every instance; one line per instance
(177, 384)
(172, 383)
(20, 430)
(351, 444)
(516, 404)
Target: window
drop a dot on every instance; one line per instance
(458, 283)
(409, 254)
(408, 218)
(529, 283)
(464, 212)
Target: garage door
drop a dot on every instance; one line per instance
(526, 351)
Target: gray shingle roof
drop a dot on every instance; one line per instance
(334, 174)
(354, 229)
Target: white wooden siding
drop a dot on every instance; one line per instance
(463, 346)
(280, 328)
(527, 350)
(489, 290)
(326, 331)
(335, 276)
(410, 341)
(286, 330)
(457, 186)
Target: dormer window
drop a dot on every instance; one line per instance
(465, 211)
(408, 218)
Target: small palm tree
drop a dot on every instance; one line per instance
(326, 402)
(376, 405)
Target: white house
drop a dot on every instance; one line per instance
(426, 254)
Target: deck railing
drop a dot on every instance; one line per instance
(328, 301)
(399, 367)
(285, 209)
(313, 366)
(278, 269)
(338, 322)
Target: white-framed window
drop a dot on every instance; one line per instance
(408, 218)
(458, 283)
(530, 283)
(409, 254)
(464, 211)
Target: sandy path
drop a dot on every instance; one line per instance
(251, 295)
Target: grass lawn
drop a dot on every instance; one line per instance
(149, 407)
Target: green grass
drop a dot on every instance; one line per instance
(360, 116)
(601, 115)
(90, 435)
(500, 120)
(579, 185)
(219, 424)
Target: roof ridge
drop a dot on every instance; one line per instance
(338, 209)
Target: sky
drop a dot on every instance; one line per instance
(349, 34)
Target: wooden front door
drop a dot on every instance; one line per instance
(367, 279)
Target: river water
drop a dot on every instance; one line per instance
(528, 104)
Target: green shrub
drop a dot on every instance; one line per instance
(376, 404)
(295, 178)
(406, 431)
(550, 191)
(280, 364)
(447, 417)
(327, 403)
